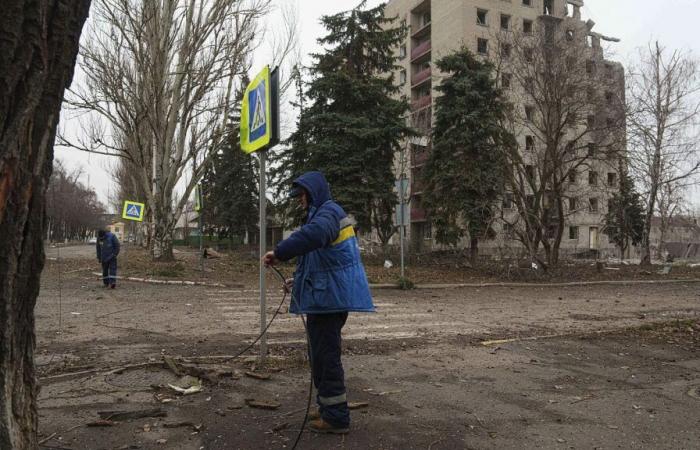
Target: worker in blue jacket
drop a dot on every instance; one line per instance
(329, 281)
(107, 250)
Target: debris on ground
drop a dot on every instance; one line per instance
(357, 405)
(187, 385)
(258, 375)
(260, 404)
(121, 416)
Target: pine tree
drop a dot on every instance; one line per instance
(354, 121)
(624, 222)
(464, 174)
(230, 187)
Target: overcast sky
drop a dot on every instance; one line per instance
(635, 22)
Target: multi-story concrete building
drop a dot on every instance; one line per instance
(438, 27)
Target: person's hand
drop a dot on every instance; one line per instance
(269, 259)
(288, 285)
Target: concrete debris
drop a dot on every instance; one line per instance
(260, 404)
(187, 385)
(258, 375)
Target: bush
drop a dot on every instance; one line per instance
(405, 284)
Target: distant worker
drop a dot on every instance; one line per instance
(107, 252)
(329, 281)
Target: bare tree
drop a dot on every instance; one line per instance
(159, 78)
(38, 48)
(671, 204)
(663, 113)
(73, 211)
(568, 120)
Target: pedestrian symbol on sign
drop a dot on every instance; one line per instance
(259, 117)
(133, 211)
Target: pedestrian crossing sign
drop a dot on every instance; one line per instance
(259, 112)
(133, 211)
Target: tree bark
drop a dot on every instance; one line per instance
(38, 48)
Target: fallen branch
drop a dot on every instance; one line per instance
(121, 416)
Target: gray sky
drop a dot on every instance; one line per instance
(635, 22)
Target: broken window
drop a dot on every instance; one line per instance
(593, 205)
(529, 113)
(506, 50)
(505, 22)
(527, 2)
(528, 54)
(612, 179)
(527, 26)
(506, 80)
(482, 46)
(549, 32)
(570, 35)
(508, 230)
(529, 143)
(573, 203)
(573, 233)
(481, 15)
(592, 178)
(591, 149)
(402, 51)
(402, 76)
(508, 201)
(548, 9)
(609, 96)
(572, 176)
(427, 231)
(590, 67)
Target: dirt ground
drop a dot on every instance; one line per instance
(600, 366)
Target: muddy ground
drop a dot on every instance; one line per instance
(602, 366)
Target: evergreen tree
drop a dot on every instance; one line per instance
(464, 173)
(230, 187)
(354, 121)
(624, 222)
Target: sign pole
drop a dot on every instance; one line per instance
(260, 132)
(263, 249)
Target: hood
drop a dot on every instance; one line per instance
(317, 187)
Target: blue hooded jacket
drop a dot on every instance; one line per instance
(107, 248)
(329, 275)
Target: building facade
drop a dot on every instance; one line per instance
(494, 29)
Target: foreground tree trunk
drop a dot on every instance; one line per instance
(38, 48)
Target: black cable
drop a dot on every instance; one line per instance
(308, 352)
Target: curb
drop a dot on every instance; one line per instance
(176, 282)
(535, 285)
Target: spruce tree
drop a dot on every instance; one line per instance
(464, 174)
(624, 222)
(354, 120)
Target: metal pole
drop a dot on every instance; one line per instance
(401, 232)
(263, 249)
(201, 249)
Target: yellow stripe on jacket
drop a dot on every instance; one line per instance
(345, 234)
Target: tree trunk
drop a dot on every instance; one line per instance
(473, 250)
(38, 48)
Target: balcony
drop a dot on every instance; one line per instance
(418, 159)
(422, 31)
(421, 102)
(418, 214)
(421, 77)
(420, 50)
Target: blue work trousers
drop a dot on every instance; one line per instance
(109, 271)
(329, 378)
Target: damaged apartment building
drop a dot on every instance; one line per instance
(501, 31)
